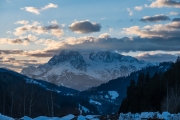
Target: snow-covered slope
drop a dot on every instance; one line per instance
(79, 70)
(127, 116)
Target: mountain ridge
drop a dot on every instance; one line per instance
(94, 68)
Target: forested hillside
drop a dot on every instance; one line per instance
(20, 96)
(161, 92)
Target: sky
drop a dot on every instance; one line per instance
(33, 31)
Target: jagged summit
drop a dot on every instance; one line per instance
(81, 70)
(73, 57)
(105, 56)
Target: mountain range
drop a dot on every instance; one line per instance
(34, 97)
(83, 70)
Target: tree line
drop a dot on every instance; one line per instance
(19, 98)
(161, 92)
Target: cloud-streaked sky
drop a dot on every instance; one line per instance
(33, 31)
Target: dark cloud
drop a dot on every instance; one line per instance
(85, 27)
(176, 19)
(165, 3)
(149, 38)
(158, 57)
(171, 29)
(11, 67)
(17, 65)
(18, 41)
(53, 29)
(15, 41)
(45, 53)
(155, 18)
(50, 27)
(11, 51)
(171, 3)
(122, 45)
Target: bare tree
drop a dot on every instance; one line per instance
(172, 101)
(32, 99)
(3, 100)
(52, 104)
(12, 95)
(48, 106)
(24, 100)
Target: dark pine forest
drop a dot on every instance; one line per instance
(161, 92)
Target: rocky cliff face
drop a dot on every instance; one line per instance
(83, 70)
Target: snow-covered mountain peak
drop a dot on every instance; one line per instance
(74, 58)
(81, 70)
(130, 59)
(105, 56)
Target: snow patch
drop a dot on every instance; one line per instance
(68, 117)
(26, 118)
(3, 117)
(106, 96)
(113, 94)
(85, 109)
(31, 81)
(164, 115)
(94, 102)
(88, 117)
(81, 117)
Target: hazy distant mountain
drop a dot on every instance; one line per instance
(81, 71)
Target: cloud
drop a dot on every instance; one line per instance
(16, 41)
(156, 18)
(104, 41)
(176, 19)
(53, 29)
(174, 13)
(138, 8)
(158, 30)
(17, 65)
(50, 5)
(23, 40)
(22, 22)
(121, 45)
(157, 57)
(32, 10)
(108, 43)
(85, 27)
(163, 37)
(6, 52)
(130, 11)
(105, 35)
(38, 10)
(165, 3)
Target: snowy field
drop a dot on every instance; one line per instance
(128, 116)
(163, 116)
(68, 117)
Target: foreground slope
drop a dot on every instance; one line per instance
(20, 96)
(108, 96)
